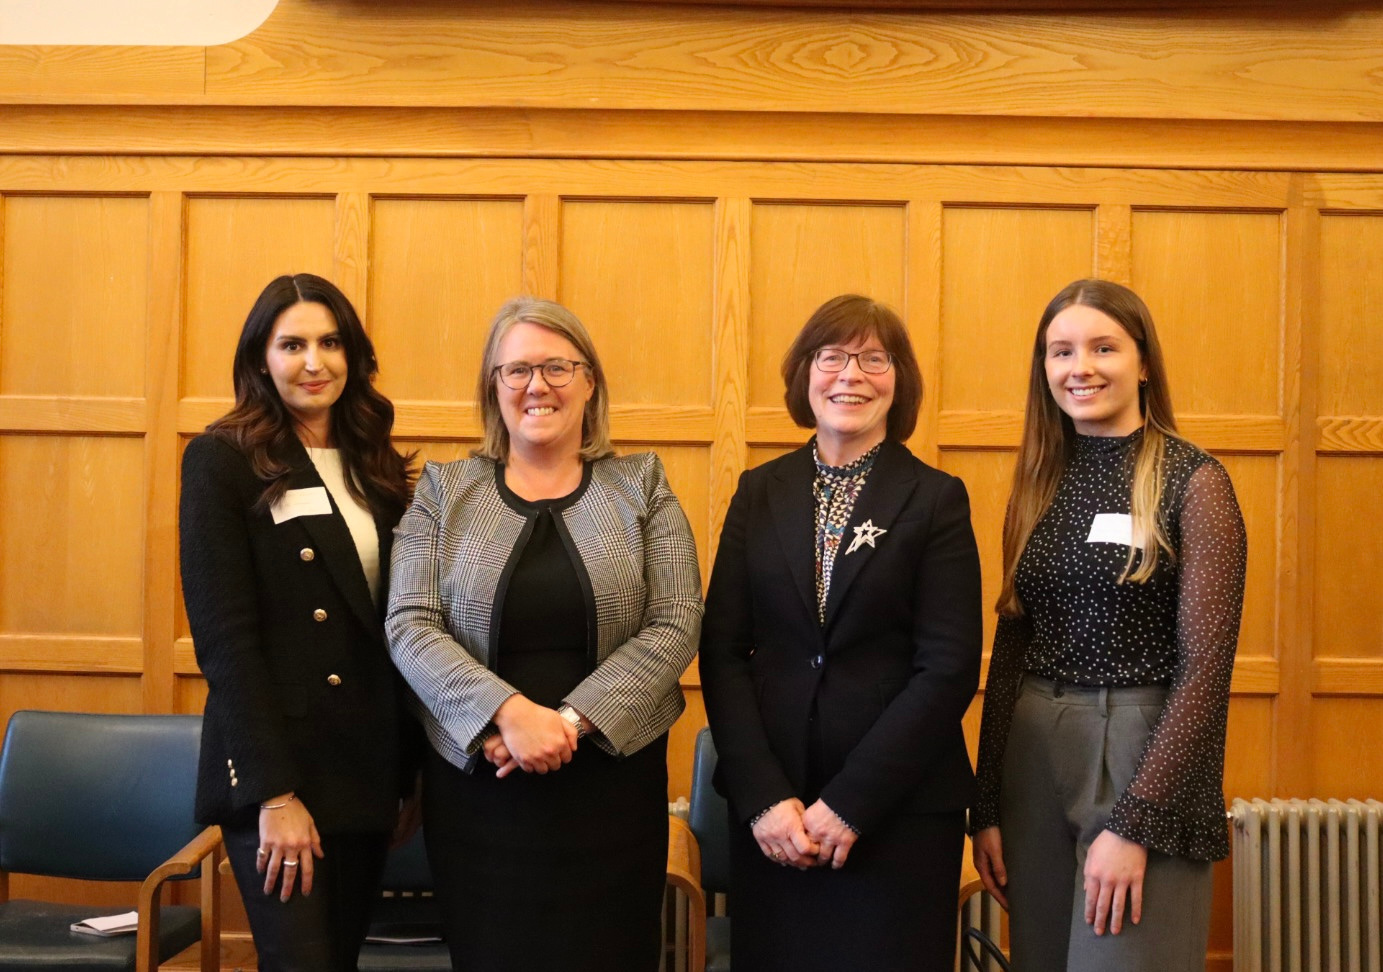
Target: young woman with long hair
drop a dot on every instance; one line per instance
(1102, 738)
(288, 507)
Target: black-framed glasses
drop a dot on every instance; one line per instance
(556, 372)
(831, 360)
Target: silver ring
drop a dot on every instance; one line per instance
(261, 852)
(290, 863)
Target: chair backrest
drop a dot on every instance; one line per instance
(94, 796)
(709, 817)
(406, 868)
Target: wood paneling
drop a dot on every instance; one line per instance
(74, 296)
(1233, 315)
(627, 56)
(1351, 342)
(694, 182)
(440, 268)
(1349, 559)
(640, 276)
(71, 538)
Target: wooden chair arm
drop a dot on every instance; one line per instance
(205, 844)
(684, 873)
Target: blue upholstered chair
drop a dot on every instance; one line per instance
(104, 798)
(710, 823)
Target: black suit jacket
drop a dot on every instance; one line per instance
(889, 674)
(301, 694)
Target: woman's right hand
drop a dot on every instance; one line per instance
(537, 738)
(288, 844)
(783, 837)
(988, 851)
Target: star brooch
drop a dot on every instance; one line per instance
(866, 532)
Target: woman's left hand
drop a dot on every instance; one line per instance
(1114, 869)
(828, 830)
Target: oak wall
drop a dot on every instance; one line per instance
(692, 181)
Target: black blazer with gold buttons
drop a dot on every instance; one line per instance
(879, 689)
(301, 694)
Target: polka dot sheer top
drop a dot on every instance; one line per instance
(1179, 629)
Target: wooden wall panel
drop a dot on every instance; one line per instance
(803, 255)
(1351, 289)
(639, 275)
(1000, 267)
(71, 553)
(1213, 281)
(1258, 487)
(1348, 762)
(74, 298)
(1349, 560)
(440, 268)
(236, 245)
(988, 477)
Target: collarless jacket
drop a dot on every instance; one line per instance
(635, 558)
(301, 695)
(889, 674)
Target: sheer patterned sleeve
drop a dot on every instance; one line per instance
(1175, 803)
(1000, 693)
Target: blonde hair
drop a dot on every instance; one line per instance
(595, 423)
(1049, 436)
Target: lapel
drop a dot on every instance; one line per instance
(793, 510)
(334, 543)
(890, 484)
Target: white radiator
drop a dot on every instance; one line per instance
(1306, 885)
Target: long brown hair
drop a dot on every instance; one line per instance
(261, 427)
(1049, 436)
(840, 321)
(595, 421)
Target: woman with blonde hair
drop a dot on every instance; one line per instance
(545, 600)
(1102, 738)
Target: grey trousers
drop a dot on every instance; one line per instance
(1071, 752)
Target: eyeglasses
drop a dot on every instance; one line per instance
(556, 372)
(832, 360)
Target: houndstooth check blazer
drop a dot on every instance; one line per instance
(453, 554)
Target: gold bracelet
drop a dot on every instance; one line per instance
(279, 806)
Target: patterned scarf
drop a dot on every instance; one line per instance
(835, 489)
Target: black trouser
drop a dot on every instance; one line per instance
(320, 932)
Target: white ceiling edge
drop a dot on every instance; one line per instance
(196, 23)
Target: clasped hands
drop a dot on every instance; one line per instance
(803, 837)
(532, 738)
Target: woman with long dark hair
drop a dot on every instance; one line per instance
(1102, 739)
(288, 507)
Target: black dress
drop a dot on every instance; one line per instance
(562, 870)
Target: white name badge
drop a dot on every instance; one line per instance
(1112, 528)
(312, 501)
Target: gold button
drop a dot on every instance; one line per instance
(333, 679)
(307, 553)
(234, 781)
(230, 763)
(319, 615)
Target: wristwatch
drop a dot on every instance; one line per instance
(574, 717)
